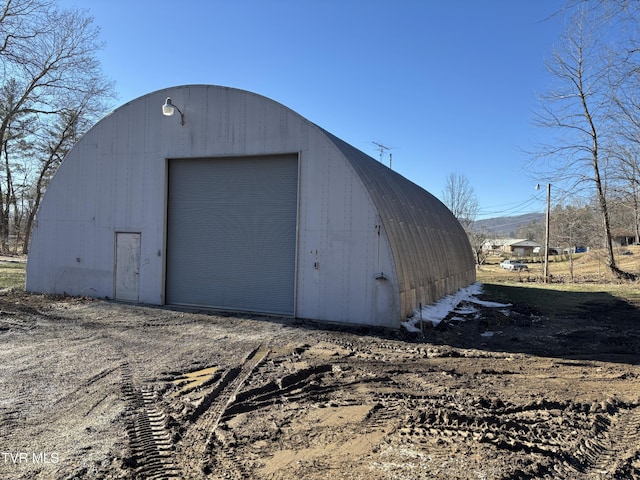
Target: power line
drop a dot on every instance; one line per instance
(519, 207)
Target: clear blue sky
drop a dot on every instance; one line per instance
(448, 85)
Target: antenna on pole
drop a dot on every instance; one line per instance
(381, 148)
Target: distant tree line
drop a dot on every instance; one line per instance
(578, 226)
(52, 90)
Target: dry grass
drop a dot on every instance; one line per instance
(12, 275)
(587, 267)
(566, 292)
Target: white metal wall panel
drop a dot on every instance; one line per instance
(231, 233)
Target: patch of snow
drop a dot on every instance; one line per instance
(438, 311)
(410, 327)
(466, 310)
(488, 304)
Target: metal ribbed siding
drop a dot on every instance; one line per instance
(430, 248)
(231, 233)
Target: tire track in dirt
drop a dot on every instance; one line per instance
(596, 441)
(325, 400)
(14, 401)
(88, 390)
(617, 454)
(149, 439)
(200, 436)
(229, 463)
(12, 415)
(567, 439)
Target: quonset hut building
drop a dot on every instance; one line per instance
(238, 203)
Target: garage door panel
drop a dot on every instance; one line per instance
(231, 233)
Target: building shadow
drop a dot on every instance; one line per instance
(583, 325)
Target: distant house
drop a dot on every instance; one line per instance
(561, 250)
(623, 238)
(520, 247)
(553, 250)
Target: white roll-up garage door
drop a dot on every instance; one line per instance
(231, 233)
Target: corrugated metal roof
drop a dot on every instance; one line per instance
(523, 243)
(431, 250)
(512, 242)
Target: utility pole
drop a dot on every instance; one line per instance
(546, 235)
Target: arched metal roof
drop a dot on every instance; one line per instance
(431, 250)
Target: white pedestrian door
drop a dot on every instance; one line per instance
(127, 266)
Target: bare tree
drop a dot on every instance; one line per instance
(570, 228)
(51, 75)
(19, 23)
(579, 108)
(626, 169)
(459, 196)
(625, 191)
(51, 151)
(477, 238)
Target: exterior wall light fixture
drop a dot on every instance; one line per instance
(168, 109)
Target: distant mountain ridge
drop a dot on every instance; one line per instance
(506, 226)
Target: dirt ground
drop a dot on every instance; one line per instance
(96, 389)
